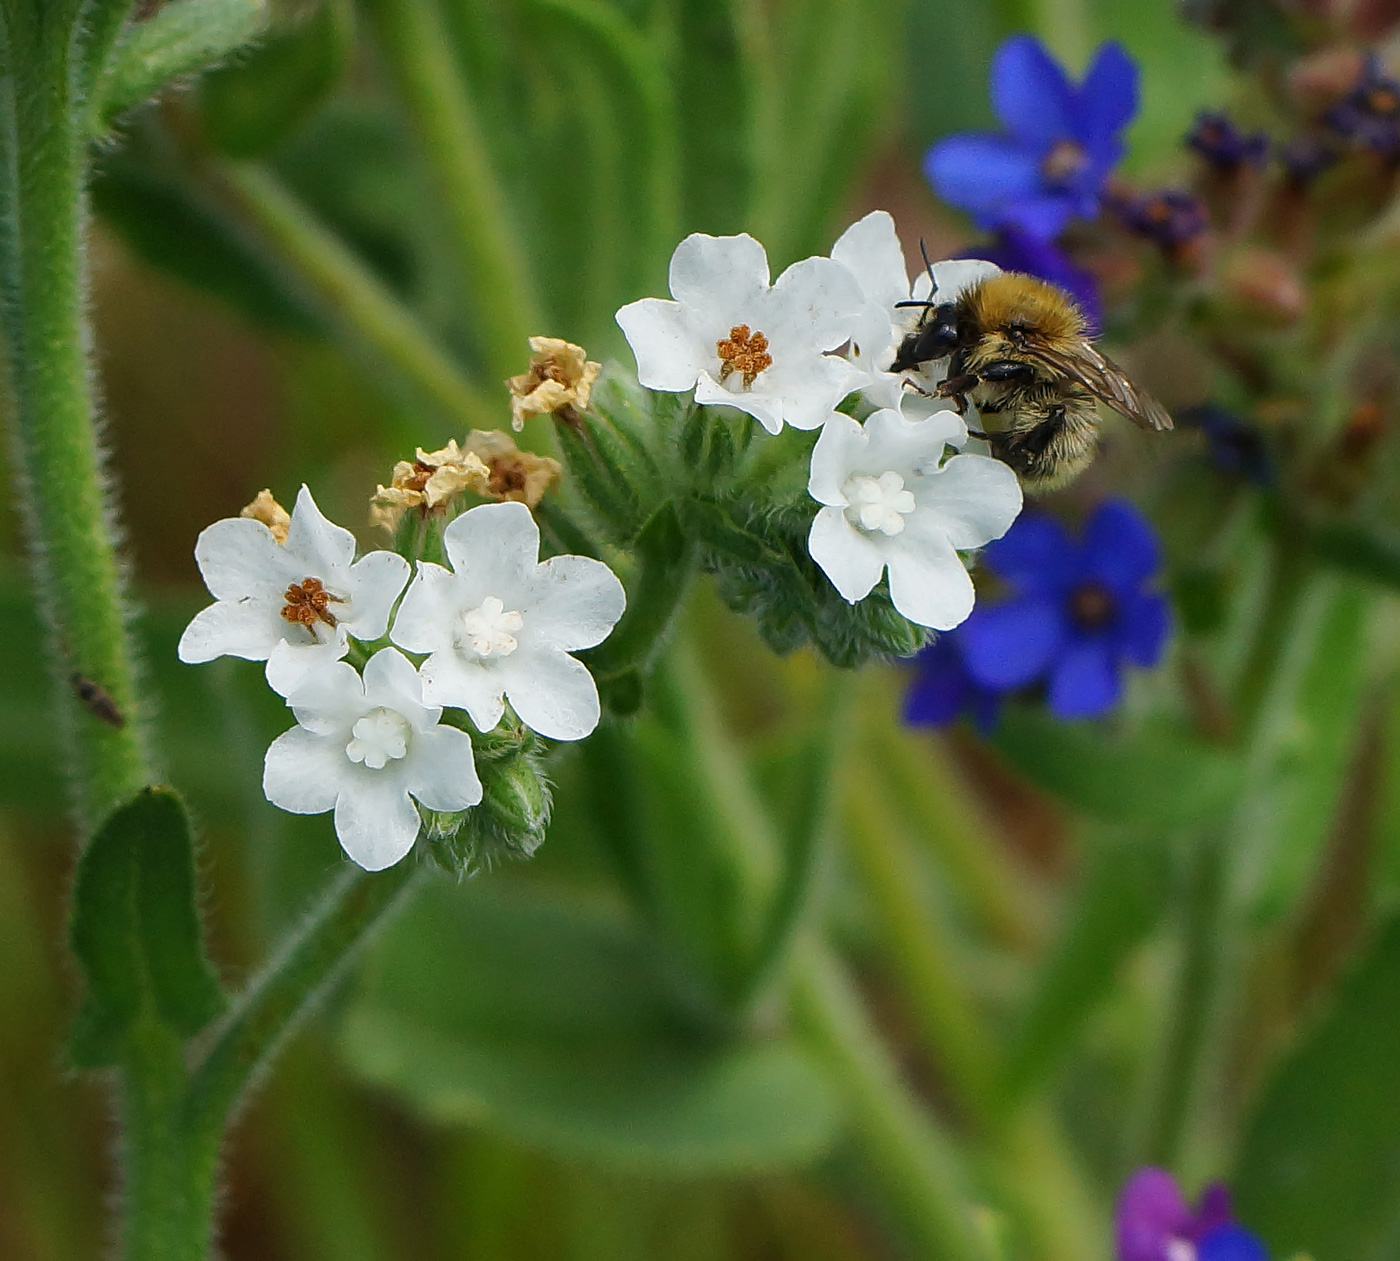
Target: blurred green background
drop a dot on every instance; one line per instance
(524, 1069)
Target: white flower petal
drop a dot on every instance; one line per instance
(928, 583)
(375, 820)
(839, 450)
(329, 698)
(574, 603)
(552, 692)
(767, 411)
(909, 446)
(870, 250)
(852, 560)
(323, 545)
(805, 393)
(247, 629)
(289, 665)
(424, 620)
(971, 500)
(815, 303)
(375, 583)
(952, 277)
(302, 771)
(449, 679)
(670, 356)
(238, 557)
(714, 275)
(494, 550)
(441, 771)
(391, 681)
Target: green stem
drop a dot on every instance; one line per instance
(352, 296)
(916, 1160)
(419, 52)
(162, 1222)
(277, 1001)
(67, 519)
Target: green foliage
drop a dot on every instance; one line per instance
(554, 1022)
(1157, 777)
(251, 106)
(136, 930)
(1319, 1169)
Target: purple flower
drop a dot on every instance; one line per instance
(1080, 609)
(1172, 218)
(1306, 157)
(1060, 141)
(1369, 115)
(1236, 447)
(943, 690)
(1014, 250)
(1216, 138)
(1155, 1223)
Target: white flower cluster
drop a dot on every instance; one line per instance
(498, 626)
(894, 493)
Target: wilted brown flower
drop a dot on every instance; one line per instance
(267, 510)
(514, 474)
(427, 483)
(559, 382)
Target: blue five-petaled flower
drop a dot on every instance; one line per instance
(1155, 1223)
(1079, 611)
(1060, 142)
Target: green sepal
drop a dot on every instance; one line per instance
(136, 930)
(253, 104)
(613, 502)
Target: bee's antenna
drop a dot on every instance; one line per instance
(928, 267)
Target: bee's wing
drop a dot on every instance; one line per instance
(1105, 380)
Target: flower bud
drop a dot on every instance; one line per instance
(513, 816)
(1266, 284)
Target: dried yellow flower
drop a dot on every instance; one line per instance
(431, 481)
(559, 382)
(514, 474)
(267, 510)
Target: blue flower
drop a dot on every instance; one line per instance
(1369, 115)
(1155, 1223)
(1060, 142)
(1015, 250)
(1172, 218)
(943, 690)
(1080, 610)
(1216, 138)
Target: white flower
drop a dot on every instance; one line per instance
(290, 604)
(739, 341)
(871, 251)
(890, 501)
(500, 625)
(364, 748)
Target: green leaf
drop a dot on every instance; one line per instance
(1319, 1168)
(182, 38)
(1120, 899)
(176, 230)
(1158, 776)
(136, 929)
(249, 107)
(549, 1021)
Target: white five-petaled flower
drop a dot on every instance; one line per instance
(891, 501)
(365, 747)
(290, 604)
(738, 340)
(870, 250)
(500, 625)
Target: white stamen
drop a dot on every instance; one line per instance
(490, 628)
(1180, 1250)
(878, 503)
(380, 737)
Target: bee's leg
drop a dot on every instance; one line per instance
(1004, 370)
(958, 388)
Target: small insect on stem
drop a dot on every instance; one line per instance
(95, 698)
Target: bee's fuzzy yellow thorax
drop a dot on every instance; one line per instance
(1011, 298)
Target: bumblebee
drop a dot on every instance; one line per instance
(1018, 347)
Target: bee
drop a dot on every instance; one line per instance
(1019, 348)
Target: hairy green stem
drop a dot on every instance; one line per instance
(917, 1162)
(278, 1000)
(67, 519)
(352, 296)
(419, 53)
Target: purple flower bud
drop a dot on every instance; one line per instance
(1173, 217)
(1216, 138)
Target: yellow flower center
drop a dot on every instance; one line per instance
(743, 352)
(308, 602)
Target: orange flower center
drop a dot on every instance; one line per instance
(1091, 606)
(743, 352)
(308, 602)
(1064, 161)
